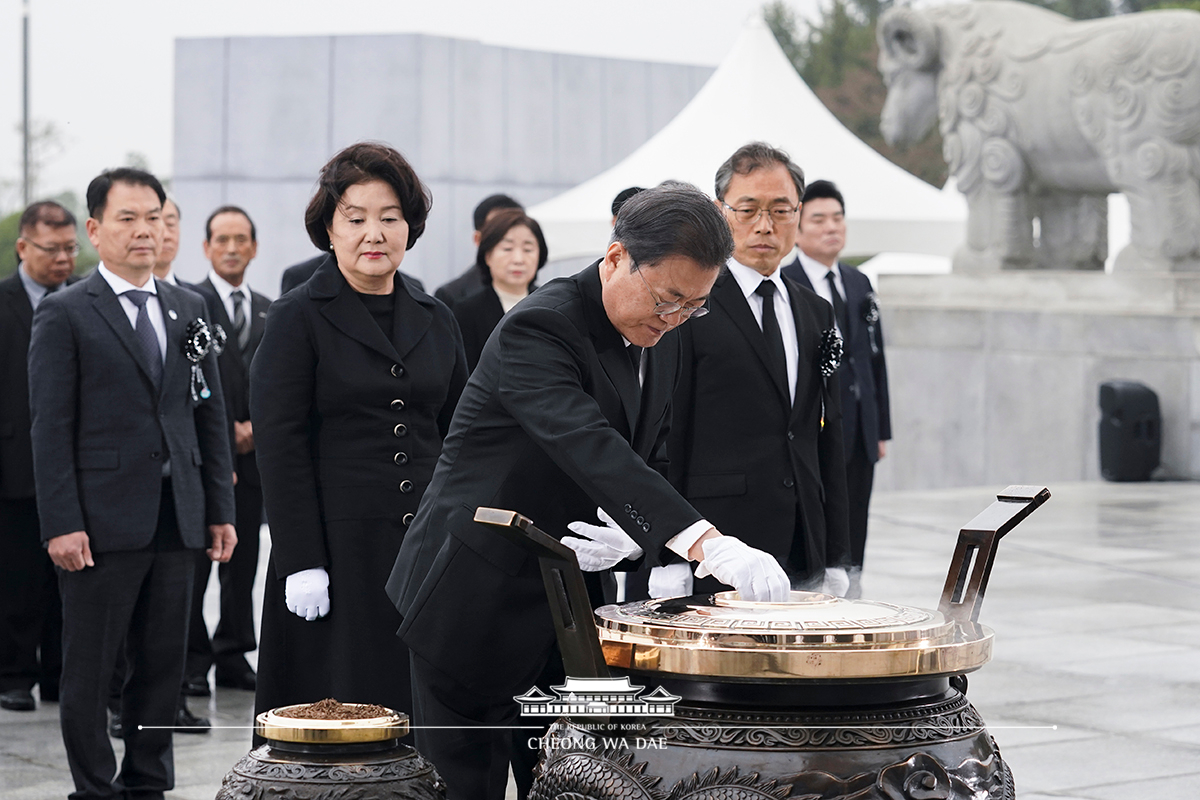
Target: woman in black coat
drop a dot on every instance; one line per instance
(351, 392)
(511, 251)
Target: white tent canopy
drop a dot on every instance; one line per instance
(756, 95)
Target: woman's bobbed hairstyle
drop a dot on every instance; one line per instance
(360, 163)
(494, 231)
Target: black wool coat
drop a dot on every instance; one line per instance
(348, 424)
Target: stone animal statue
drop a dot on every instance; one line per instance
(1042, 117)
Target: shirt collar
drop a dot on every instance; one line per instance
(120, 286)
(225, 288)
(748, 278)
(32, 288)
(815, 270)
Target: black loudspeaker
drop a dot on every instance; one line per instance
(1130, 431)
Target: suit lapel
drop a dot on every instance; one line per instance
(854, 302)
(610, 348)
(175, 365)
(727, 294)
(221, 317)
(795, 271)
(108, 306)
(258, 322)
(347, 313)
(410, 319)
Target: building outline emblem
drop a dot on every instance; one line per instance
(614, 697)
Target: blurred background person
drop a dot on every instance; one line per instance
(170, 244)
(620, 199)
(351, 393)
(866, 413)
(471, 281)
(230, 244)
(30, 611)
(511, 251)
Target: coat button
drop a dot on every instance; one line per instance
(397, 405)
(788, 482)
(400, 430)
(628, 508)
(791, 436)
(155, 456)
(407, 519)
(646, 527)
(401, 459)
(397, 370)
(640, 520)
(406, 486)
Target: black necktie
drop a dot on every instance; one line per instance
(241, 330)
(771, 332)
(839, 306)
(146, 336)
(635, 357)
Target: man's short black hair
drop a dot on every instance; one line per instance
(45, 212)
(489, 204)
(673, 220)
(823, 188)
(229, 210)
(97, 191)
(622, 196)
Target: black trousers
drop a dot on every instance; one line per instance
(860, 476)
(30, 609)
(473, 739)
(235, 634)
(138, 599)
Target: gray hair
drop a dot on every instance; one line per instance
(750, 157)
(673, 219)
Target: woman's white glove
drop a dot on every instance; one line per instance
(837, 581)
(673, 580)
(602, 548)
(756, 575)
(306, 593)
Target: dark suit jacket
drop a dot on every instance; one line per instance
(550, 425)
(336, 403)
(478, 315)
(465, 285)
(16, 452)
(235, 367)
(99, 425)
(863, 375)
(744, 456)
(297, 274)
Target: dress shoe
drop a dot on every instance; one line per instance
(49, 694)
(245, 680)
(187, 722)
(18, 700)
(114, 726)
(196, 686)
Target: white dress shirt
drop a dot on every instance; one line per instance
(225, 289)
(748, 280)
(816, 272)
(153, 307)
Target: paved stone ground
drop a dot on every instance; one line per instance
(1093, 694)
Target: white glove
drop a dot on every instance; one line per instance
(602, 548)
(673, 580)
(837, 581)
(306, 593)
(756, 575)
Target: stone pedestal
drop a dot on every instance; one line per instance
(995, 377)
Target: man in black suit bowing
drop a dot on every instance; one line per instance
(559, 417)
(30, 613)
(866, 418)
(755, 445)
(132, 471)
(230, 243)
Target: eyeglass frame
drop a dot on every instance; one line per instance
(688, 311)
(54, 251)
(770, 212)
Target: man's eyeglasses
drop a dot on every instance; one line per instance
(780, 215)
(667, 309)
(71, 250)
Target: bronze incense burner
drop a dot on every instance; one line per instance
(818, 698)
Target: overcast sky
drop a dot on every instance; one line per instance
(103, 71)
